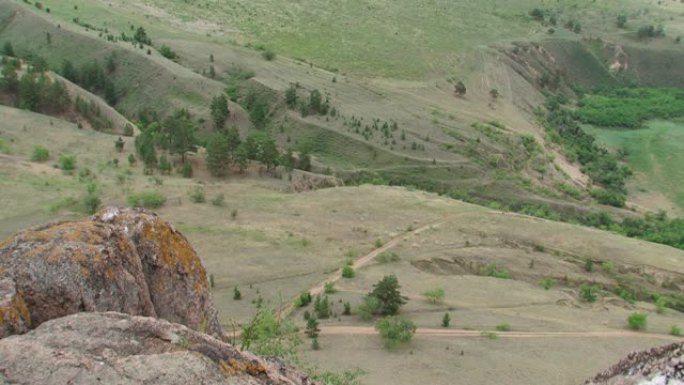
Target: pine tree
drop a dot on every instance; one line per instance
(446, 320)
(312, 329)
(180, 132)
(387, 292)
(219, 110)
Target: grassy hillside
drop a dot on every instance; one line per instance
(271, 244)
(396, 39)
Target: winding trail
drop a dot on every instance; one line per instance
(461, 333)
(286, 309)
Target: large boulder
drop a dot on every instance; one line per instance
(116, 348)
(122, 260)
(663, 365)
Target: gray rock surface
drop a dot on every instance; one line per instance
(658, 366)
(116, 348)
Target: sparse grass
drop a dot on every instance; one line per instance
(489, 335)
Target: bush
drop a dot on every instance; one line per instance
(676, 331)
(348, 271)
(547, 283)
(197, 195)
(268, 55)
(378, 243)
(435, 295)
(91, 202)
(588, 293)
(395, 331)
(637, 321)
(186, 170)
(148, 199)
(67, 162)
(368, 308)
(503, 327)
(329, 288)
(387, 257)
(219, 201)
(167, 52)
(40, 154)
(491, 270)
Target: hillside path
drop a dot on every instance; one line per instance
(286, 309)
(368, 330)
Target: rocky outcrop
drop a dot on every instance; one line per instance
(663, 365)
(115, 348)
(122, 260)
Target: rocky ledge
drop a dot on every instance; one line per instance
(115, 348)
(658, 366)
(118, 298)
(123, 260)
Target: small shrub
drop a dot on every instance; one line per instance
(347, 309)
(435, 295)
(91, 202)
(67, 163)
(329, 288)
(237, 295)
(378, 243)
(488, 334)
(608, 267)
(233, 214)
(589, 265)
(660, 304)
(268, 55)
(303, 300)
(637, 321)
(186, 170)
(197, 195)
(167, 52)
(128, 130)
(503, 327)
(491, 270)
(368, 307)
(348, 272)
(148, 199)
(395, 330)
(40, 154)
(219, 201)
(676, 331)
(387, 257)
(547, 283)
(588, 293)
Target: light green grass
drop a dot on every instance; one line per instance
(403, 38)
(655, 153)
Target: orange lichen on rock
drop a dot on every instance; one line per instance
(121, 260)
